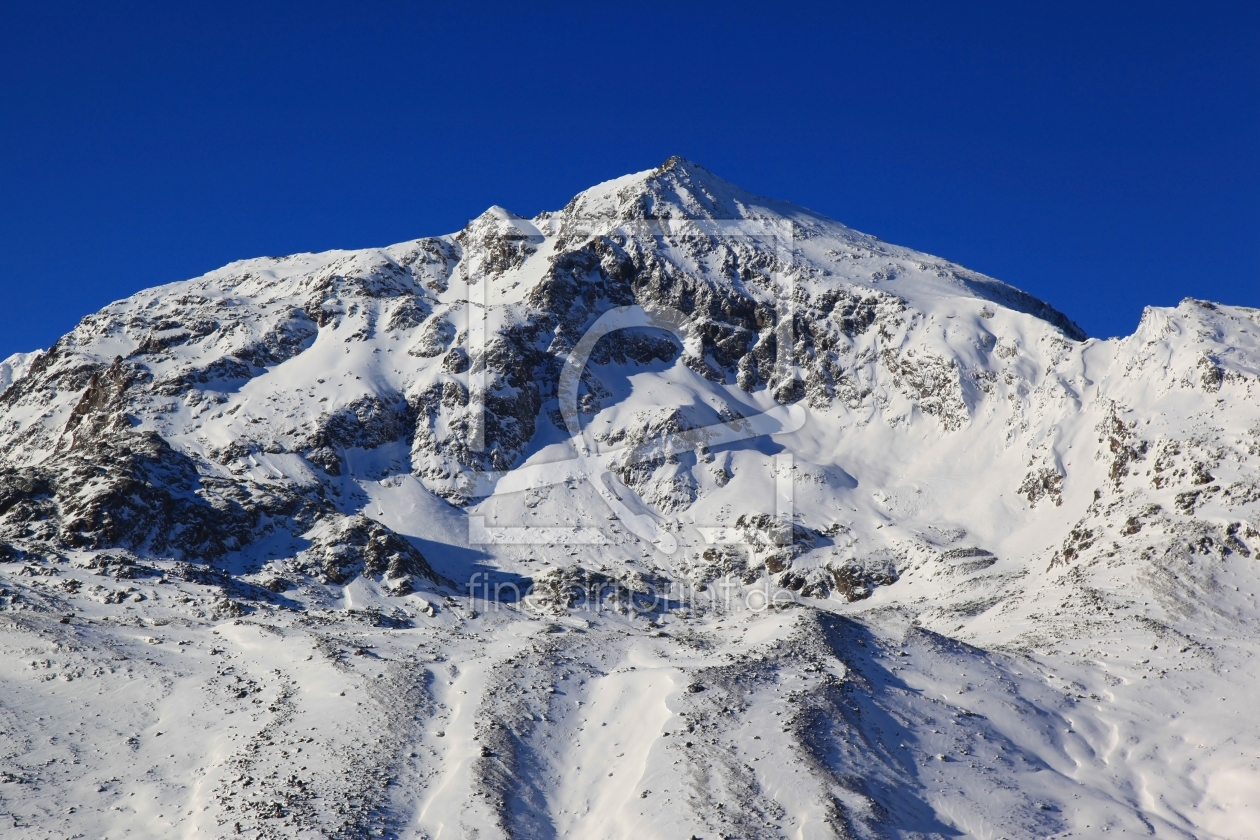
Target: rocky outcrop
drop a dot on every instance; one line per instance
(349, 546)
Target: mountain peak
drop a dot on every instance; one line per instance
(677, 189)
(497, 213)
(680, 189)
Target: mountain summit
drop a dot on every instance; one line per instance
(678, 189)
(677, 511)
(682, 190)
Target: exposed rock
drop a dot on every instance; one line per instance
(344, 547)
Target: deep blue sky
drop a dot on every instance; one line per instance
(1101, 156)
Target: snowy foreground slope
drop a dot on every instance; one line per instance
(678, 512)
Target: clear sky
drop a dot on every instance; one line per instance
(1102, 156)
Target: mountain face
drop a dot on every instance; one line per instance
(677, 512)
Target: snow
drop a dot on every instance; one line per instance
(1064, 650)
(15, 367)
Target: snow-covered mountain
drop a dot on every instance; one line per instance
(676, 512)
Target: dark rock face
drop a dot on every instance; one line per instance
(560, 590)
(132, 490)
(737, 328)
(365, 423)
(108, 486)
(355, 545)
(1044, 483)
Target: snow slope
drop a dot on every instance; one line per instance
(675, 512)
(16, 366)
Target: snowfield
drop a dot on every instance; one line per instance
(678, 512)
